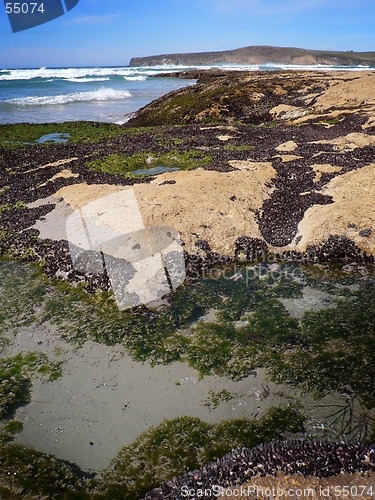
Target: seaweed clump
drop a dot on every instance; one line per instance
(176, 446)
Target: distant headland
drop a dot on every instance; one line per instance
(261, 55)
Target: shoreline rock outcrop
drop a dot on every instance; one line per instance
(288, 169)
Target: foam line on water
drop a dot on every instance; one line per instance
(104, 94)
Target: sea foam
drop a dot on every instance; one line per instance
(142, 73)
(139, 78)
(85, 80)
(104, 94)
(80, 73)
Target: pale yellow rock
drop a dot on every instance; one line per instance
(251, 165)
(286, 158)
(345, 93)
(320, 169)
(350, 142)
(287, 146)
(225, 138)
(78, 195)
(230, 128)
(286, 112)
(358, 90)
(370, 122)
(353, 196)
(64, 174)
(58, 163)
(198, 205)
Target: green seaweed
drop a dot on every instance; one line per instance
(9, 431)
(16, 373)
(339, 350)
(216, 398)
(19, 309)
(3, 190)
(13, 427)
(327, 350)
(187, 443)
(20, 205)
(40, 475)
(171, 448)
(23, 135)
(330, 121)
(125, 165)
(169, 141)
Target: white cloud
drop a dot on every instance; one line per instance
(94, 19)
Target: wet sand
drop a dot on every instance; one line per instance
(104, 399)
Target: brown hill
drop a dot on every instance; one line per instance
(261, 55)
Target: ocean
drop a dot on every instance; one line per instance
(104, 94)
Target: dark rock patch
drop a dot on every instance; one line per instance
(339, 248)
(284, 210)
(365, 233)
(250, 249)
(310, 458)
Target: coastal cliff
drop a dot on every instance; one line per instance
(260, 55)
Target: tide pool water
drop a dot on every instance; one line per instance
(98, 94)
(229, 345)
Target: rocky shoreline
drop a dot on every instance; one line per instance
(288, 169)
(308, 458)
(267, 165)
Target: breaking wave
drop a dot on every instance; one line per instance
(85, 80)
(141, 73)
(104, 94)
(138, 78)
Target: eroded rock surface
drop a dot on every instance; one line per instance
(289, 167)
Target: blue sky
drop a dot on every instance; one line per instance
(110, 32)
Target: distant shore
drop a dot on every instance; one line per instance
(261, 54)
